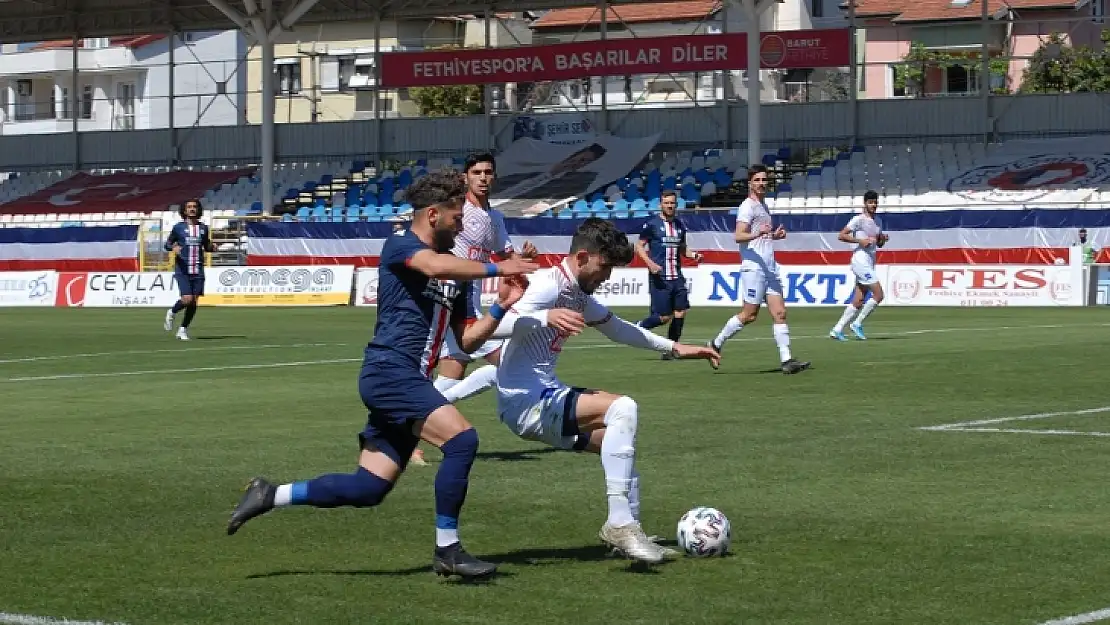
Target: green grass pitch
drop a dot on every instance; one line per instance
(124, 451)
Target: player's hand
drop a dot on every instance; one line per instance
(883, 238)
(529, 251)
(510, 290)
(765, 229)
(654, 268)
(566, 321)
(690, 352)
(779, 234)
(516, 267)
(176, 248)
(698, 257)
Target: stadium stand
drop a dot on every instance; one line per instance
(910, 177)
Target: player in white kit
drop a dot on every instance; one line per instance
(537, 406)
(865, 231)
(483, 236)
(759, 272)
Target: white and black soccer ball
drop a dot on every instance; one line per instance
(704, 532)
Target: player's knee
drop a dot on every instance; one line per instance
(187, 300)
(679, 314)
(779, 316)
(463, 445)
(877, 295)
(749, 317)
(369, 489)
(623, 413)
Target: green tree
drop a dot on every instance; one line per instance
(1057, 67)
(449, 100)
(910, 74)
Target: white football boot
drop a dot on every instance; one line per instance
(182, 334)
(631, 541)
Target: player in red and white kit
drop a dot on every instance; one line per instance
(537, 406)
(483, 236)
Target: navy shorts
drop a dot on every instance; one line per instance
(396, 396)
(668, 296)
(189, 284)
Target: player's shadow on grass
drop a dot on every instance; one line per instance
(543, 556)
(219, 337)
(517, 456)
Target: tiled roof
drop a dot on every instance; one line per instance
(945, 10)
(129, 41)
(630, 13)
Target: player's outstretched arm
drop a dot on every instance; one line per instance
(451, 267)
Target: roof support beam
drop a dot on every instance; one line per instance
(287, 22)
(753, 10)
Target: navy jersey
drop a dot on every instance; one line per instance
(666, 241)
(414, 311)
(194, 242)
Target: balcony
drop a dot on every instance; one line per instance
(52, 62)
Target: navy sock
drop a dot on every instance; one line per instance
(651, 322)
(360, 489)
(453, 478)
(178, 307)
(190, 312)
(674, 332)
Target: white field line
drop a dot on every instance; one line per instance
(135, 352)
(30, 619)
(1081, 619)
(1020, 431)
(305, 363)
(741, 339)
(969, 425)
(116, 374)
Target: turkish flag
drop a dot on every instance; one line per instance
(120, 192)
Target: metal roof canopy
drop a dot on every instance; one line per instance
(39, 20)
(264, 20)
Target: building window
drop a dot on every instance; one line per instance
(87, 102)
(961, 80)
(124, 118)
(96, 43)
(288, 74)
(897, 78)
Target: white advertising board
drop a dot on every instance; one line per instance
(28, 288)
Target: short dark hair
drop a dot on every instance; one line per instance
(479, 157)
(200, 207)
(435, 188)
(871, 195)
(669, 193)
(602, 237)
(756, 169)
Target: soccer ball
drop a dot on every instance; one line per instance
(704, 532)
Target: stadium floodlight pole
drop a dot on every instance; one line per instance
(853, 70)
(985, 74)
(727, 87)
(603, 8)
(487, 89)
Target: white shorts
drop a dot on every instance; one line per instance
(757, 283)
(865, 273)
(452, 350)
(547, 416)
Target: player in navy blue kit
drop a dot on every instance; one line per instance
(421, 292)
(190, 241)
(662, 246)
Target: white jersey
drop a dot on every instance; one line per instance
(528, 360)
(863, 226)
(483, 235)
(759, 253)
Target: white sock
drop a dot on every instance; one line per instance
(446, 538)
(283, 496)
(782, 338)
(618, 458)
(732, 326)
(849, 312)
(442, 384)
(867, 309)
(634, 495)
(482, 379)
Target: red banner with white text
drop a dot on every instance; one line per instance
(795, 49)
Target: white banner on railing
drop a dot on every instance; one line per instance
(223, 286)
(28, 288)
(981, 285)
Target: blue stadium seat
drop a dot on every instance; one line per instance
(653, 205)
(303, 213)
(287, 217)
(639, 206)
(580, 206)
(566, 213)
(620, 205)
(599, 206)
